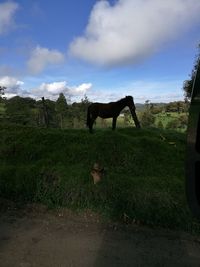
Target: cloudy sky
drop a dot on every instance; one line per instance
(104, 49)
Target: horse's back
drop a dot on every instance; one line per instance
(103, 110)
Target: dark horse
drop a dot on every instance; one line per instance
(111, 110)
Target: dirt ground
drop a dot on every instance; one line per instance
(34, 237)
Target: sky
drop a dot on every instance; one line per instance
(103, 49)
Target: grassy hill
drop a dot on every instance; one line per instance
(143, 181)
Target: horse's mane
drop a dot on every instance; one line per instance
(118, 101)
(125, 98)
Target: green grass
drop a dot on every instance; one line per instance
(107, 123)
(144, 174)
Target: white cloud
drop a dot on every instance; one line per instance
(130, 30)
(12, 84)
(82, 89)
(155, 91)
(52, 90)
(7, 11)
(43, 57)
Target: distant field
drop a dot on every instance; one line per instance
(107, 123)
(164, 117)
(144, 173)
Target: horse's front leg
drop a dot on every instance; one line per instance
(92, 120)
(90, 126)
(114, 123)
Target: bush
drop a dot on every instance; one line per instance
(173, 124)
(147, 119)
(183, 120)
(178, 123)
(160, 125)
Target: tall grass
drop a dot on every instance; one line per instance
(143, 181)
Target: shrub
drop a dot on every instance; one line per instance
(173, 124)
(160, 125)
(147, 119)
(183, 120)
(178, 123)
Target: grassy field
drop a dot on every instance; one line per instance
(164, 118)
(143, 181)
(107, 123)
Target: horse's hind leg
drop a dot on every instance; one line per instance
(90, 128)
(114, 123)
(91, 125)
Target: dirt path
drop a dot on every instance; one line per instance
(35, 237)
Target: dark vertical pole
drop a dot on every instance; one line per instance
(193, 149)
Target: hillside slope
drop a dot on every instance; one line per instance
(143, 181)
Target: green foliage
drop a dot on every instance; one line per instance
(127, 118)
(173, 124)
(146, 119)
(59, 114)
(61, 104)
(61, 107)
(156, 109)
(172, 120)
(160, 125)
(183, 120)
(19, 109)
(49, 110)
(2, 108)
(2, 92)
(144, 173)
(178, 123)
(176, 106)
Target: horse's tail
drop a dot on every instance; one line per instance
(88, 117)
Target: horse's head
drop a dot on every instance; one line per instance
(130, 102)
(131, 105)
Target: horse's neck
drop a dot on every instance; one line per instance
(122, 104)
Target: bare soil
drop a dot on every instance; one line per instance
(34, 237)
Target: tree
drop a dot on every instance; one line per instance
(61, 108)
(147, 119)
(19, 109)
(176, 106)
(45, 113)
(2, 93)
(188, 84)
(79, 111)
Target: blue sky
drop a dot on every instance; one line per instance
(104, 49)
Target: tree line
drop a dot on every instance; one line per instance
(44, 112)
(62, 114)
